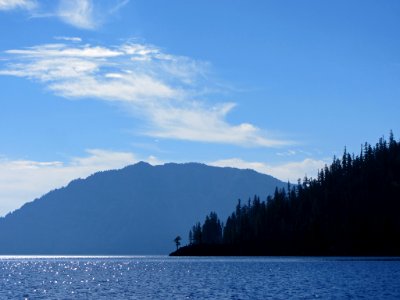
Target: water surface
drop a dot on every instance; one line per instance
(159, 277)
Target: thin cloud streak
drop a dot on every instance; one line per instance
(83, 14)
(159, 87)
(70, 39)
(17, 4)
(289, 171)
(118, 6)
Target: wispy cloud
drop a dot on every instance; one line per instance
(87, 14)
(206, 124)
(287, 153)
(17, 4)
(288, 171)
(23, 180)
(120, 4)
(78, 13)
(70, 39)
(158, 87)
(84, 14)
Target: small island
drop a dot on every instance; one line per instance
(352, 208)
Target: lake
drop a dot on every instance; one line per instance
(161, 277)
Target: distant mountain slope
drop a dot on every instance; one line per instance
(139, 209)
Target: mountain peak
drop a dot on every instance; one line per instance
(142, 164)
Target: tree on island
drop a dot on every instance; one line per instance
(177, 241)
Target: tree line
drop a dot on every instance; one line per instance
(352, 207)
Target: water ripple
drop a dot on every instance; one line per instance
(198, 278)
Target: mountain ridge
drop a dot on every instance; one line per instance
(138, 209)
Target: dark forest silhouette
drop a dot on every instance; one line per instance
(351, 208)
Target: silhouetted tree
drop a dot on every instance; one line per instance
(177, 241)
(190, 237)
(197, 234)
(212, 230)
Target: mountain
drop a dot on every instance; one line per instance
(139, 209)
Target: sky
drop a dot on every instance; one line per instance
(276, 86)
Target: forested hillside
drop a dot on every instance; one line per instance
(351, 208)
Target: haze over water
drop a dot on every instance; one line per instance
(159, 277)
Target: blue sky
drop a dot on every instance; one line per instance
(278, 86)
